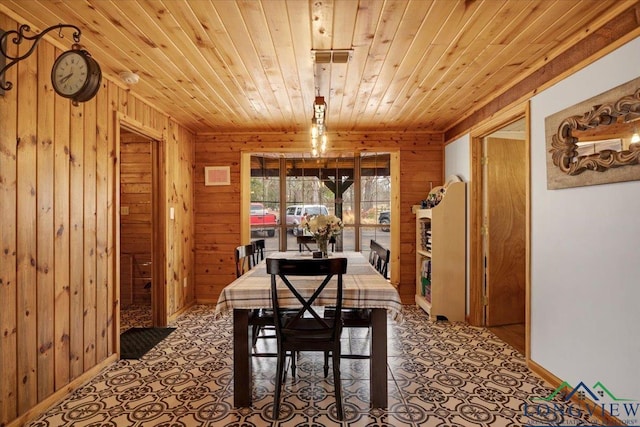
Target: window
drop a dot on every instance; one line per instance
(327, 186)
(375, 198)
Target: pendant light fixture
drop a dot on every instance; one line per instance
(318, 127)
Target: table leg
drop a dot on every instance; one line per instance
(242, 385)
(378, 358)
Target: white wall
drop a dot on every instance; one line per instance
(585, 254)
(585, 284)
(457, 160)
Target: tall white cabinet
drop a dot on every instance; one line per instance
(441, 255)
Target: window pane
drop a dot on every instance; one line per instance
(318, 186)
(265, 200)
(375, 197)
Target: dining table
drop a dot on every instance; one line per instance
(363, 287)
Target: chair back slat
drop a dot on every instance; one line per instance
(379, 258)
(303, 241)
(244, 259)
(258, 251)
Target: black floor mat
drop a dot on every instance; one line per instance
(135, 342)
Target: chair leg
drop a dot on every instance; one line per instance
(294, 356)
(254, 337)
(326, 364)
(279, 381)
(337, 385)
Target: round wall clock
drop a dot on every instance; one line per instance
(76, 75)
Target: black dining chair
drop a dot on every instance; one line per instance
(303, 329)
(361, 317)
(379, 257)
(258, 250)
(260, 319)
(243, 256)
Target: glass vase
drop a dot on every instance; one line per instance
(323, 246)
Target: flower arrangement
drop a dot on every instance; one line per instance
(433, 198)
(322, 226)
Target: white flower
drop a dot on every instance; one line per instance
(322, 225)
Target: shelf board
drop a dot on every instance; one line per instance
(424, 253)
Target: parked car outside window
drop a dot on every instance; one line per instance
(385, 218)
(296, 212)
(262, 220)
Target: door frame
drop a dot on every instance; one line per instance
(158, 207)
(476, 258)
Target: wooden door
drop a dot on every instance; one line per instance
(505, 239)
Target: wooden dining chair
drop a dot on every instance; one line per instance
(303, 329)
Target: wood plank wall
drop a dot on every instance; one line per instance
(57, 221)
(179, 253)
(217, 209)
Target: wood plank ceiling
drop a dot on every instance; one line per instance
(247, 65)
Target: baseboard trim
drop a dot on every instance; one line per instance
(63, 393)
(205, 301)
(179, 313)
(605, 417)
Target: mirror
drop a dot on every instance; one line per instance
(602, 139)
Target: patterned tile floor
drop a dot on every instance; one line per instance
(440, 374)
(135, 315)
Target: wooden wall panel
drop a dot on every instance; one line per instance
(126, 280)
(26, 205)
(89, 235)
(180, 239)
(103, 298)
(171, 150)
(59, 292)
(113, 289)
(8, 233)
(76, 241)
(44, 225)
(62, 264)
(217, 208)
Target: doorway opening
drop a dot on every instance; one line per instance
(499, 235)
(141, 230)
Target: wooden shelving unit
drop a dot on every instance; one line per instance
(441, 241)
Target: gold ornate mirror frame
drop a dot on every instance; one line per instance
(605, 130)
